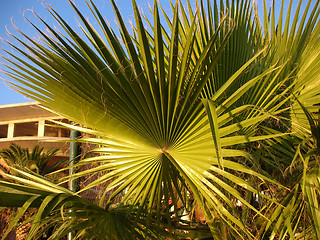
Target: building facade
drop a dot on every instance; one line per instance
(26, 124)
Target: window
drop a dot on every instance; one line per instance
(25, 129)
(4, 131)
(56, 131)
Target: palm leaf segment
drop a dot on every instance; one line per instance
(143, 101)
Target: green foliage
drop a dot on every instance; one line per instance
(213, 109)
(35, 160)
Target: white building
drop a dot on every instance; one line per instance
(25, 125)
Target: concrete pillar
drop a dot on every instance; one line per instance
(41, 128)
(10, 130)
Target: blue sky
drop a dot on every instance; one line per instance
(12, 10)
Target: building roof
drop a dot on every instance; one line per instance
(20, 111)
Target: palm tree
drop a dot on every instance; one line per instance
(203, 111)
(35, 160)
